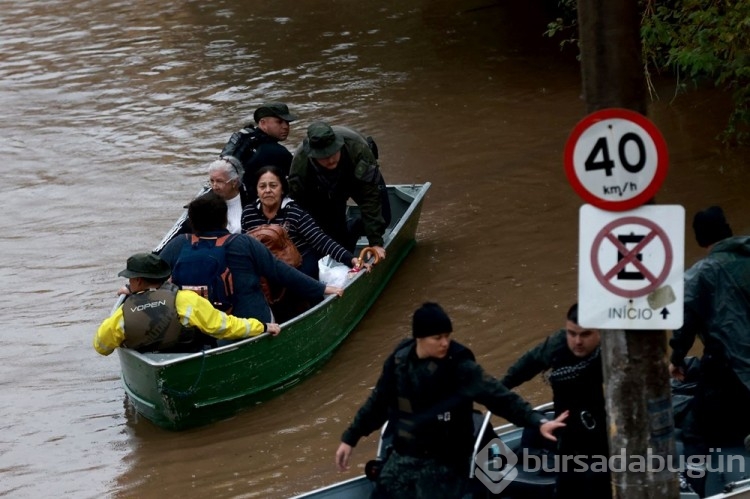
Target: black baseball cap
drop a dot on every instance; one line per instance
(277, 109)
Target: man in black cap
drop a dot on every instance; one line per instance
(332, 165)
(157, 316)
(426, 393)
(717, 309)
(257, 146)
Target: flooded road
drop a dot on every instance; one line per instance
(112, 110)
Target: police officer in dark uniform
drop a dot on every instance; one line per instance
(572, 361)
(258, 145)
(426, 393)
(717, 310)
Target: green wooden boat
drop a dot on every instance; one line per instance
(179, 391)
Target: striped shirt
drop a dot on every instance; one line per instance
(302, 229)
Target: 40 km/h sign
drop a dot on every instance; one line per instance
(616, 159)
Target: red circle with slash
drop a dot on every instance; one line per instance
(630, 256)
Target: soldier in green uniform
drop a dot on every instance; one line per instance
(426, 393)
(332, 165)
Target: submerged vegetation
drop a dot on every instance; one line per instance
(697, 41)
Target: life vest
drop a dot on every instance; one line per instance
(433, 417)
(151, 320)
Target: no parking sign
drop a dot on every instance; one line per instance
(631, 268)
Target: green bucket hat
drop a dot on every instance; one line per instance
(277, 109)
(322, 141)
(147, 265)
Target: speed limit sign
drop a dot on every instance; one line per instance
(616, 159)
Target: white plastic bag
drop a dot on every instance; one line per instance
(332, 273)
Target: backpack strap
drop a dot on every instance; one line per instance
(221, 241)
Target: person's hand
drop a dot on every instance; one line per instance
(547, 429)
(365, 265)
(124, 290)
(334, 290)
(273, 329)
(343, 453)
(677, 372)
(380, 251)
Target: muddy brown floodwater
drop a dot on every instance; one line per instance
(112, 112)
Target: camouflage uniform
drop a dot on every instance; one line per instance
(324, 193)
(428, 404)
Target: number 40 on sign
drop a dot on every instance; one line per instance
(616, 159)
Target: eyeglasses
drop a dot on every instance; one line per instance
(216, 181)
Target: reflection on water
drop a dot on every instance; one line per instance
(112, 112)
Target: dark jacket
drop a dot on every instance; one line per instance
(182, 226)
(324, 193)
(717, 307)
(429, 402)
(256, 149)
(249, 260)
(577, 386)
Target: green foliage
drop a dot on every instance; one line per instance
(564, 24)
(695, 40)
(704, 40)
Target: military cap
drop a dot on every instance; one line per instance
(277, 109)
(147, 265)
(322, 141)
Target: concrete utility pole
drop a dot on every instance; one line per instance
(636, 378)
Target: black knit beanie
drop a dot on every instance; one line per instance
(429, 320)
(710, 226)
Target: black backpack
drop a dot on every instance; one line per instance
(242, 145)
(202, 267)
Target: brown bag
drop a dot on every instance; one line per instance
(277, 240)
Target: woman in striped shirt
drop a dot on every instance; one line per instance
(273, 206)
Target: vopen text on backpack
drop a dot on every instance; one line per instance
(202, 267)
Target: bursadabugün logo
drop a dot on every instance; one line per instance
(495, 466)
